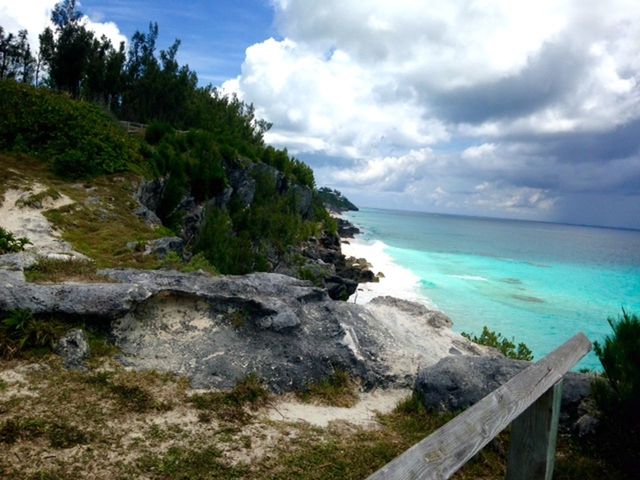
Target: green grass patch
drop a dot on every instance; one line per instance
(59, 434)
(337, 390)
(192, 464)
(129, 393)
(197, 263)
(55, 270)
(37, 200)
(234, 406)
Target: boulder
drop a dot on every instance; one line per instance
(161, 247)
(457, 382)
(216, 330)
(346, 229)
(74, 349)
(149, 193)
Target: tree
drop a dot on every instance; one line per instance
(16, 61)
(67, 51)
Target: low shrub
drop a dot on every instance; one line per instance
(617, 393)
(21, 331)
(508, 347)
(77, 138)
(10, 244)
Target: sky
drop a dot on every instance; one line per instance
(480, 107)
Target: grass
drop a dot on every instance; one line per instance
(145, 424)
(60, 434)
(337, 390)
(56, 270)
(234, 406)
(37, 200)
(100, 222)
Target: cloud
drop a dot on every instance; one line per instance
(538, 100)
(35, 15)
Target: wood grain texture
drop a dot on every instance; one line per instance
(444, 451)
(533, 438)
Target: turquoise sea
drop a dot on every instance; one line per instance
(539, 283)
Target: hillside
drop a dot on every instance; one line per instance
(334, 200)
(173, 197)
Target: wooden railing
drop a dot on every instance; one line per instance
(133, 127)
(531, 400)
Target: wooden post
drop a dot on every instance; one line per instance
(533, 438)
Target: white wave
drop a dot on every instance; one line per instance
(398, 281)
(475, 278)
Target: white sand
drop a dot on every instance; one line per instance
(32, 224)
(363, 413)
(397, 282)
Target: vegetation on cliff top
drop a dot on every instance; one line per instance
(334, 200)
(197, 136)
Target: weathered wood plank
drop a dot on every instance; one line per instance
(444, 451)
(533, 438)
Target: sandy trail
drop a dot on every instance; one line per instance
(24, 221)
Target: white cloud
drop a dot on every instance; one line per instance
(375, 82)
(35, 15)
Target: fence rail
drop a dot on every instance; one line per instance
(531, 400)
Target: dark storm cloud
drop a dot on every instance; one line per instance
(548, 77)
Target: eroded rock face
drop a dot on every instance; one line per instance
(74, 349)
(217, 330)
(457, 382)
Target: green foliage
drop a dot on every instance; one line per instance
(620, 358)
(617, 393)
(508, 348)
(16, 60)
(10, 244)
(156, 132)
(21, 331)
(76, 137)
(334, 200)
(197, 263)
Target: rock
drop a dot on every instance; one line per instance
(74, 349)
(149, 193)
(433, 318)
(346, 229)
(148, 216)
(303, 197)
(340, 288)
(244, 186)
(217, 330)
(457, 382)
(18, 261)
(161, 247)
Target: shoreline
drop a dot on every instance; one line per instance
(396, 281)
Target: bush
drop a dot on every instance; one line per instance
(21, 331)
(620, 358)
(77, 137)
(508, 348)
(617, 393)
(10, 244)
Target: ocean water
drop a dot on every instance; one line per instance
(539, 283)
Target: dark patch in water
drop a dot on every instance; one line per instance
(512, 281)
(528, 298)
(427, 284)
